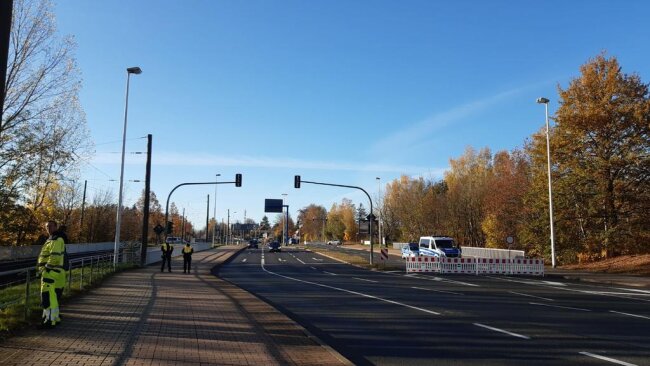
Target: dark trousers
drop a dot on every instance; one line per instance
(187, 263)
(167, 259)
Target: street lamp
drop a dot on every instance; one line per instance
(131, 70)
(550, 190)
(214, 228)
(284, 224)
(379, 209)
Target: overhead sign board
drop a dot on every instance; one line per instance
(272, 205)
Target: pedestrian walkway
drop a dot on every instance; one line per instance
(145, 317)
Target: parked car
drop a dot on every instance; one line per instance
(411, 250)
(274, 246)
(438, 246)
(334, 242)
(173, 240)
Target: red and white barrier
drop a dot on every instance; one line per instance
(530, 267)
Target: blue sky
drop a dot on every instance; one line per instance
(336, 91)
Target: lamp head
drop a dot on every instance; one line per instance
(134, 70)
(542, 100)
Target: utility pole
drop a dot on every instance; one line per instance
(145, 209)
(83, 208)
(183, 226)
(207, 220)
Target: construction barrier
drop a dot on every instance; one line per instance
(529, 267)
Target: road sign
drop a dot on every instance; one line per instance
(384, 254)
(272, 205)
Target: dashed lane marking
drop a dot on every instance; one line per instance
(363, 279)
(501, 331)
(608, 359)
(558, 306)
(628, 314)
(430, 289)
(351, 292)
(527, 295)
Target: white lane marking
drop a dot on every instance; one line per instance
(628, 314)
(280, 260)
(501, 331)
(558, 306)
(312, 267)
(363, 279)
(537, 297)
(316, 259)
(244, 260)
(443, 280)
(351, 292)
(430, 289)
(330, 273)
(572, 290)
(298, 259)
(612, 360)
(633, 289)
(552, 283)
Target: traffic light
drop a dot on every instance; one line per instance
(296, 181)
(170, 227)
(237, 180)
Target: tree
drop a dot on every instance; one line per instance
(601, 149)
(43, 131)
(313, 221)
(264, 224)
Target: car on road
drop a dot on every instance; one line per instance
(253, 244)
(410, 250)
(274, 246)
(334, 242)
(173, 240)
(438, 246)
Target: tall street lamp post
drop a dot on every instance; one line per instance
(550, 190)
(379, 210)
(131, 70)
(214, 228)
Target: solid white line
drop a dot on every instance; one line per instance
(628, 314)
(633, 289)
(299, 260)
(363, 279)
(352, 292)
(537, 297)
(612, 360)
(330, 273)
(501, 331)
(316, 259)
(429, 289)
(314, 268)
(557, 306)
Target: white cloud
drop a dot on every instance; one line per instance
(203, 159)
(420, 131)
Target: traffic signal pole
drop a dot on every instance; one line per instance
(237, 183)
(297, 181)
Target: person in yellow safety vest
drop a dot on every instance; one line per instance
(59, 286)
(167, 250)
(50, 267)
(187, 257)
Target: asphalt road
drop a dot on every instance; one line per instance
(397, 319)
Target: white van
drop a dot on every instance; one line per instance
(439, 246)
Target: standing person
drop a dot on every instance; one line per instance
(166, 249)
(50, 266)
(187, 257)
(59, 285)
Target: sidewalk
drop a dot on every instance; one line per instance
(145, 317)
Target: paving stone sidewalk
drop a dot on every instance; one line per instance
(145, 317)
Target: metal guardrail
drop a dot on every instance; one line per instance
(83, 272)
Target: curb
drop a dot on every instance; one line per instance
(603, 281)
